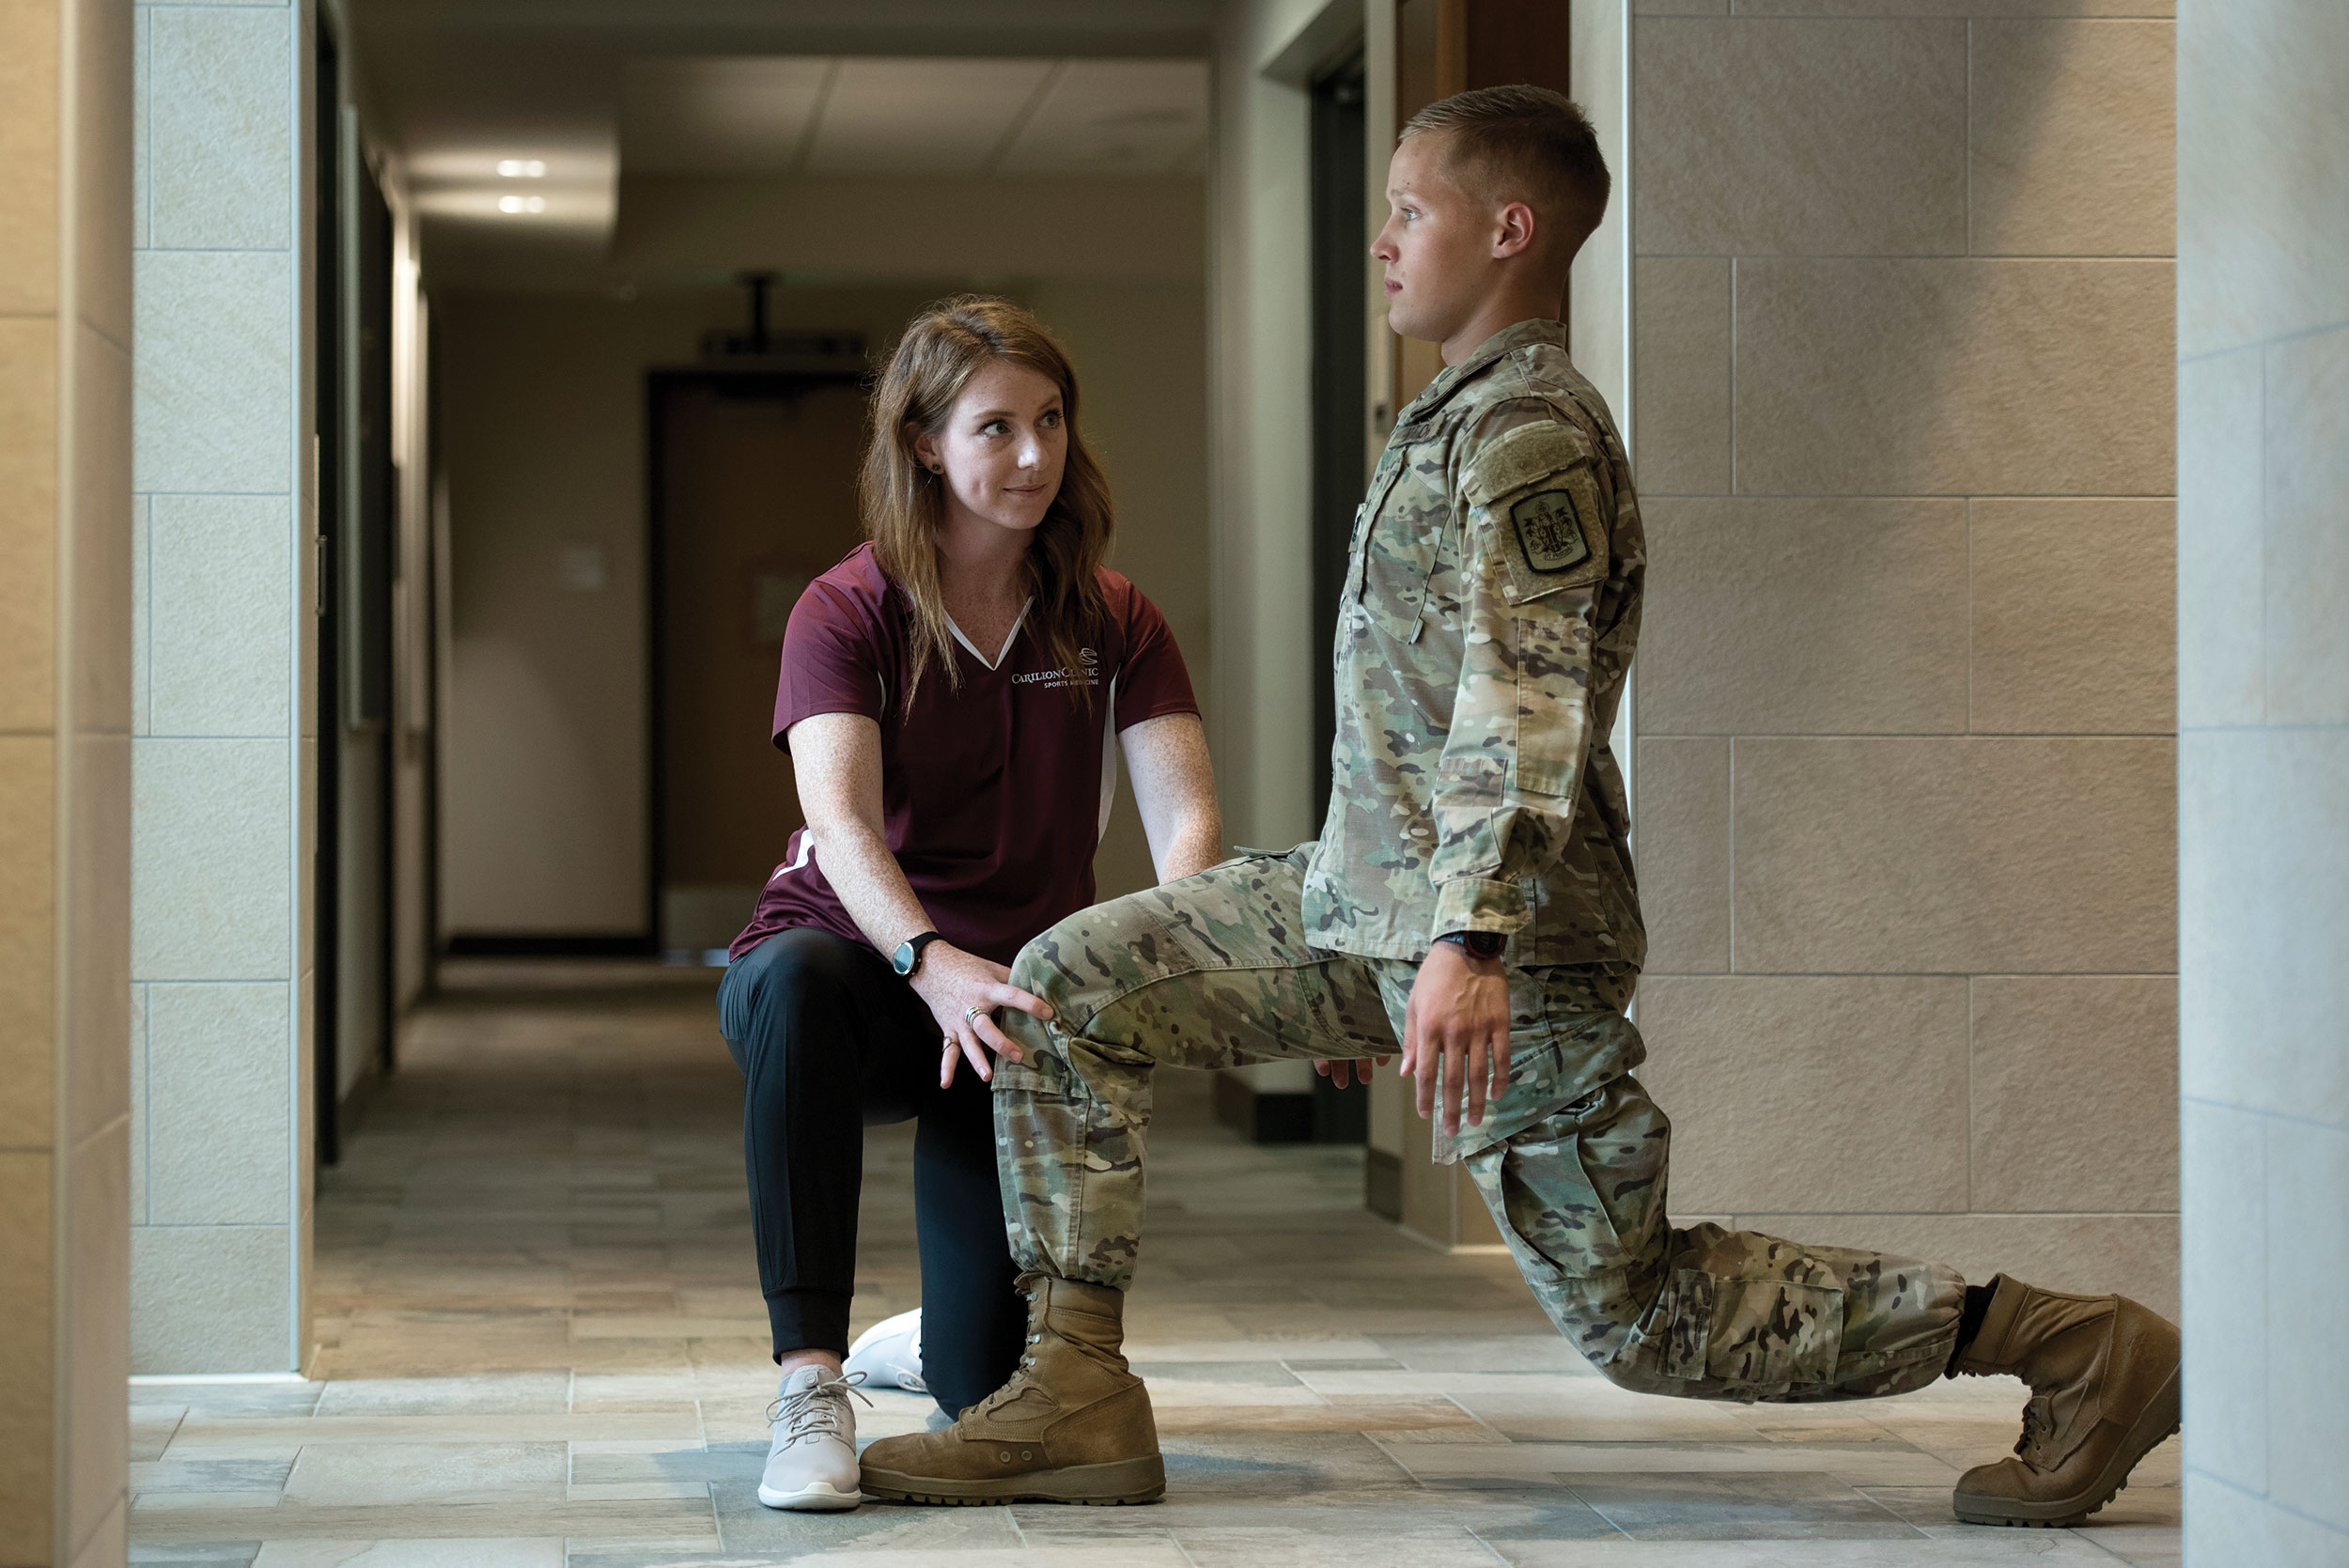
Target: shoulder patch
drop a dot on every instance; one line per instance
(1550, 531)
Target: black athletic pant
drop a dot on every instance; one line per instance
(830, 1042)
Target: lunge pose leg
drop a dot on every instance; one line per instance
(1470, 903)
(1571, 1154)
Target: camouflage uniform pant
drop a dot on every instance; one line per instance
(1214, 971)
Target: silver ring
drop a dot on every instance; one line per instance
(949, 1043)
(970, 1014)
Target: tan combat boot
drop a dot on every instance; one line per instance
(2104, 1378)
(1072, 1425)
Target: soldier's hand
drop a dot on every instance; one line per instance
(1456, 1026)
(1337, 1070)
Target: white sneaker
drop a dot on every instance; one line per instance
(889, 1354)
(810, 1464)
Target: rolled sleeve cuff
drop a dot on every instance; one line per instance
(1473, 903)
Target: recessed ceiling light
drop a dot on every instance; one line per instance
(521, 204)
(522, 168)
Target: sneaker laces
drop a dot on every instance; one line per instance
(815, 1412)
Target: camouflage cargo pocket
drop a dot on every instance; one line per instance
(1754, 1333)
(1561, 1193)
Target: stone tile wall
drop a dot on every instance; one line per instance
(1903, 421)
(65, 777)
(2263, 771)
(222, 705)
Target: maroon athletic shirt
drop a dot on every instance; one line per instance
(993, 797)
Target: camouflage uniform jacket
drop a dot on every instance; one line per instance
(1491, 602)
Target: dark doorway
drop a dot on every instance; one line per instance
(1340, 370)
(352, 1001)
(328, 404)
(753, 495)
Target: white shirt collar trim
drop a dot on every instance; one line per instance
(1011, 637)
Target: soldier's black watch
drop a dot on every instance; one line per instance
(909, 955)
(1481, 944)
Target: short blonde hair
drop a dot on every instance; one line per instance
(1523, 144)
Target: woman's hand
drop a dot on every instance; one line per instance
(1345, 1070)
(963, 991)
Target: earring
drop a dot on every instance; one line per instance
(937, 468)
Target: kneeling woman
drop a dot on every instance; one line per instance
(947, 696)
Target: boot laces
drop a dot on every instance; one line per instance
(815, 1412)
(1010, 1391)
(2038, 1426)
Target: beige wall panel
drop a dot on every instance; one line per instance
(97, 940)
(2307, 489)
(1900, 377)
(102, 135)
(1820, 1092)
(2075, 1093)
(2263, 867)
(2223, 1281)
(101, 530)
(141, 30)
(110, 1545)
(2136, 1254)
(2074, 138)
(1683, 854)
(28, 159)
(98, 1257)
(2262, 118)
(1680, 421)
(1799, 136)
(1782, 616)
(1680, 7)
(28, 871)
(2074, 625)
(2308, 1257)
(28, 1361)
(1955, 855)
(208, 1298)
(2222, 600)
(28, 522)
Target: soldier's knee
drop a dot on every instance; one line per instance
(1031, 971)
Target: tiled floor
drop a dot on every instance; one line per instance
(543, 1344)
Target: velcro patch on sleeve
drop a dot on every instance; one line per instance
(1522, 456)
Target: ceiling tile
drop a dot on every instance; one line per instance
(748, 114)
(927, 117)
(1116, 116)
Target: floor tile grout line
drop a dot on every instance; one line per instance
(1486, 1545)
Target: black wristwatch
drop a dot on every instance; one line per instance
(909, 955)
(1480, 944)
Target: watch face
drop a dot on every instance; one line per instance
(902, 960)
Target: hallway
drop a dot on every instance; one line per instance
(542, 1344)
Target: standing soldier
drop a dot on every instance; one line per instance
(1470, 903)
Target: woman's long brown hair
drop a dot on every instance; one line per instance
(905, 504)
